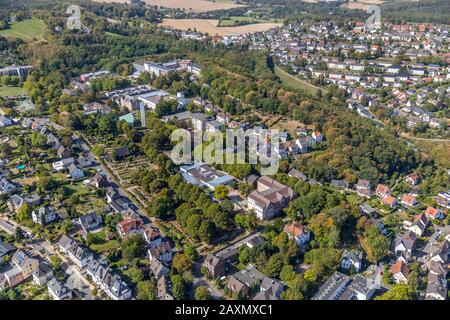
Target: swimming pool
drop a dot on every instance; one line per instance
(21, 167)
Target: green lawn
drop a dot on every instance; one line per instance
(234, 20)
(11, 91)
(107, 246)
(294, 82)
(28, 30)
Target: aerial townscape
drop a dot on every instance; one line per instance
(95, 206)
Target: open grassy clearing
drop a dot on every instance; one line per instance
(28, 30)
(12, 91)
(294, 82)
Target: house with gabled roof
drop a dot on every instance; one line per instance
(382, 190)
(298, 233)
(24, 263)
(404, 246)
(163, 288)
(436, 287)
(409, 200)
(215, 265)
(351, 259)
(42, 274)
(418, 225)
(162, 252)
(400, 272)
(91, 222)
(363, 188)
(389, 200)
(44, 215)
(58, 290)
(433, 213)
(158, 268)
(413, 179)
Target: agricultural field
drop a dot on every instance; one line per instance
(362, 4)
(211, 26)
(28, 30)
(235, 21)
(188, 5)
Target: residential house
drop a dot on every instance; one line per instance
(297, 232)
(163, 288)
(418, 225)
(91, 222)
(100, 181)
(367, 210)
(269, 198)
(404, 246)
(413, 179)
(5, 249)
(58, 290)
(130, 225)
(110, 283)
(84, 161)
(13, 277)
(152, 236)
(272, 287)
(63, 152)
(15, 202)
(24, 263)
(433, 213)
(389, 200)
(382, 190)
(241, 283)
(62, 164)
(162, 252)
(42, 274)
(340, 184)
(351, 259)
(360, 288)
(409, 200)
(158, 269)
(400, 272)
(443, 199)
(6, 186)
(215, 265)
(44, 215)
(436, 287)
(363, 188)
(80, 255)
(75, 172)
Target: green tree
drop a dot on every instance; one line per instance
(56, 262)
(146, 290)
(397, 292)
(24, 213)
(220, 192)
(178, 287)
(133, 247)
(202, 293)
(181, 263)
(275, 265)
